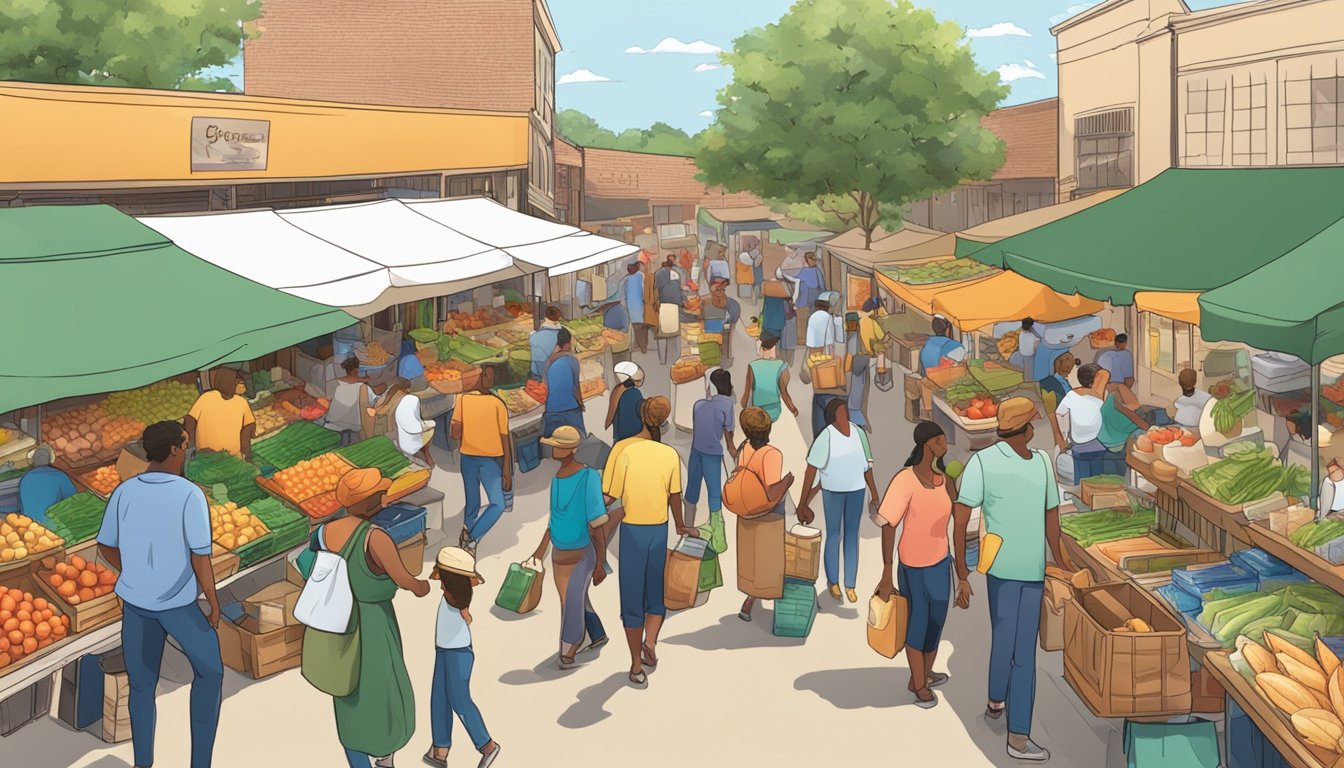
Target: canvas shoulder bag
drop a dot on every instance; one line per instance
(744, 493)
(331, 657)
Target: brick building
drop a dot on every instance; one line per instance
(1025, 182)
(568, 183)
(483, 55)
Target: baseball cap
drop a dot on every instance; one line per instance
(1015, 413)
(627, 370)
(359, 484)
(563, 437)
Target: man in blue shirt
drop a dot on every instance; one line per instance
(43, 486)
(564, 405)
(156, 533)
(1119, 362)
(940, 345)
(711, 430)
(632, 288)
(542, 342)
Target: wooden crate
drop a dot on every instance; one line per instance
(224, 564)
(278, 491)
(87, 615)
(23, 581)
(243, 648)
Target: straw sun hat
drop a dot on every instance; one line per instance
(459, 561)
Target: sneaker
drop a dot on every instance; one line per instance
(488, 760)
(1031, 752)
(930, 703)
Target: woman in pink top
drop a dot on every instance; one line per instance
(919, 499)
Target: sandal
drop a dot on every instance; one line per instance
(430, 759)
(647, 658)
(924, 703)
(937, 678)
(743, 615)
(994, 713)
(639, 678)
(568, 663)
(596, 644)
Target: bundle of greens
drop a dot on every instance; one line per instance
(1247, 476)
(1296, 613)
(1320, 532)
(1089, 528)
(1230, 410)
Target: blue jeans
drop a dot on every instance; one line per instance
(478, 471)
(143, 634)
(642, 550)
(929, 590)
(552, 420)
(358, 759)
(1015, 618)
(452, 693)
(706, 467)
(844, 513)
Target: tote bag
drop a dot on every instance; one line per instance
(887, 623)
(331, 658)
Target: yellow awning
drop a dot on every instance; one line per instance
(1009, 296)
(1174, 305)
(921, 297)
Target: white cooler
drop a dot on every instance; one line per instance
(1277, 372)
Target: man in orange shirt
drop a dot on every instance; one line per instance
(221, 419)
(480, 423)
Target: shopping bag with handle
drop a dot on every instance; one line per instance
(520, 591)
(887, 623)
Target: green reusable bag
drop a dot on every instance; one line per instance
(711, 575)
(330, 661)
(715, 533)
(515, 587)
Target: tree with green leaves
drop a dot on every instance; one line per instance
(852, 109)
(143, 44)
(659, 139)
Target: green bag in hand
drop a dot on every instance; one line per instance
(711, 575)
(715, 533)
(520, 591)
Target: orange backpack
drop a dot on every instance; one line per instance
(744, 493)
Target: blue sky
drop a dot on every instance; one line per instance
(630, 64)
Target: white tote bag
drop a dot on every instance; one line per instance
(326, 600)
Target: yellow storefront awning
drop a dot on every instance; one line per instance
(1009, 296)
(1173, 305)
(921, 296)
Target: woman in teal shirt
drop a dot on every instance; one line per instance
(578, 530)
(768, 381)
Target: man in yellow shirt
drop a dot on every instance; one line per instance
(221, 419)
(481, 423)
(645, 475)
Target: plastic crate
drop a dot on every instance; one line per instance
(25, 706)
(796, 609)
(401, 521)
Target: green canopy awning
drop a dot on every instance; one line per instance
(105, 303)
(1293, 304)
(1185, 230)
(967, 247)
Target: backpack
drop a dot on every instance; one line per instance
(744, 494)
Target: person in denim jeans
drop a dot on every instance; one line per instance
(711, 430)
(481, 425)
(455, 570)
(156, 533)
(1015, 489)
(843, 459)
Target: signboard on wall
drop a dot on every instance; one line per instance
(228, 144)
(858, 289)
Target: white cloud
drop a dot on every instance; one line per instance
(673, 45)
(1010, 72)
(1001, 29)
(706, 113)
(1073, 10)
(582, 76)
(707, 67)
(1054, 57)
(1030, 63)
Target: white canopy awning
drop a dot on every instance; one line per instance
(365, 257)
(536, 244)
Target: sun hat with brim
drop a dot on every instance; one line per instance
(563, 437)
(459, 561)
(1015, 413)
(358, 485)
(626, 370)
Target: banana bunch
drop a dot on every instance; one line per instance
(817, 358)
(1137, 626)
(1308, 689)
(1008, 344)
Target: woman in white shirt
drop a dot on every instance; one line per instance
(843, 460)
(1190, 405)
(413, 432)
(455, 570)
(1332, 489)
(1083, 407)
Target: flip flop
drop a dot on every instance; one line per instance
(929, 704)
(937, 678)
(743, 615)
(596, 644)
(647, 658)
(430, 759)
(639, 678)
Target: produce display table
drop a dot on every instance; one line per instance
(1279, 733)
(1103, 570)
(1315, 567)
(1214, 511)
(958, 432)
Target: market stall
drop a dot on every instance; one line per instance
(854, 264)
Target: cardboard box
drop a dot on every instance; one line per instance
(116, 726)
(412, 553)
(272, 607)
(245, 648)
(1125, 674)
(1207, 694)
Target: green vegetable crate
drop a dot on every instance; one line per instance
(1323, 537)
(297, 442)
(78, 518)
(378, 452)
(288, 529)
(796, 609)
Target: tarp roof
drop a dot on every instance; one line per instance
(998, 229)
(1293, 304)
(909, 243)
(750, 213)
(1176, 305)
(1185, 230)
(110, 304)
(982, 301)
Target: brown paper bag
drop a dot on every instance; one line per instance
(887, 624)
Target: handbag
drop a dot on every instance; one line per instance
(887, 623)
(326, 602)
(330, 658)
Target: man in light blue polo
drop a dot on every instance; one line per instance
(156, 533)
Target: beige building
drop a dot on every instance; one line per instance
(1146, 85)
(493, 55)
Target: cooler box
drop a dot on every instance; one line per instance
(401, 521)
(1278, 372)
(796, 610)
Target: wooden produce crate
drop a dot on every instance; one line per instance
(318, 506)
(24, 564)
(1226, 517)
(88, 614)
(24, 582)
(1125, 674)
(224, 564)
(84, 478)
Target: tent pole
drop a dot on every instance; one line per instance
(1315, 435)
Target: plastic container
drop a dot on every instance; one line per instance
(343, 341)
(401, 521)
(795, 610)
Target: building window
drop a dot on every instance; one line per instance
(459, 187)
(1204, 105)
(1105, 149)
(667, 214)
(1250, 135)
(1314, 120)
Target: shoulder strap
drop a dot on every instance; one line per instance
(863, 438)
(361, 531)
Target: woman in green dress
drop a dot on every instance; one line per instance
(378, 718)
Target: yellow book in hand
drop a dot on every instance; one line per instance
(990, 544)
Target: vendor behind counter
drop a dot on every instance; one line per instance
(43, 486)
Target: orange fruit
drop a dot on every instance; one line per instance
(40, 604)
(26, 627)
(78, 563)
(24, 614)
(29, 644)
(7, 603)
(85, 595)
(67, 589)
(88, 579)
(58, 631)
(65, 620)
(4, 660)
(107, 578)
(56, 580)
(11, 624)
(15, 637)
(43, 631)
(4, 645)
(73, 599)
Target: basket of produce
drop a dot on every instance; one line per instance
(455, 347)
(377, 452)
(300, 440)
(273, 418)
(1229, 412)
(87, 435)
(484, 318)
(686, 369)
(452, 377)
(78, 518)
(48, 622)
(163, 401)
(945, 271)
(313, 480)
(1103, 338)
(233, 527)
(1249, 475)
(972, 403)
(83, 587)
(535, 390)
(1088, 528)
(102, 481)
(212, 468)
(1324, 537)
(24, 539)
(424, 338)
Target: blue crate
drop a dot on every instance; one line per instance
(1260, 562)
(1182, 601)
(401, 521)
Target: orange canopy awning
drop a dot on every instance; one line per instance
(1175, 305)
(921, 296)
(1009, 296)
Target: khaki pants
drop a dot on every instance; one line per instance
(641, 331)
